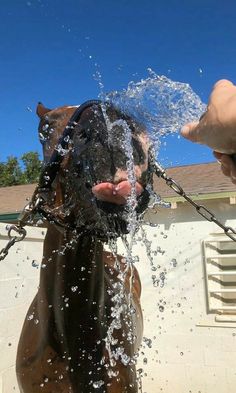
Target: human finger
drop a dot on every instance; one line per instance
(189, 131)
(222, 83)
(228, 167)
(226, 160)
(233, 173)
(225, 170)
(217, 155)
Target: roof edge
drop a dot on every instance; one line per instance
(189, 165)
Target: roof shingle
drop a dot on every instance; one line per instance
(13, 199)
(197, 179)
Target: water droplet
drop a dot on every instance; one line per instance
(153, 268)
(98, 384)
(145, 361)
(35, 263)
(125, 359)
(45, 127)
(67, 138)
(173, 262)
(147, 341)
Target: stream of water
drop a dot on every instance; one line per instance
(162, 106)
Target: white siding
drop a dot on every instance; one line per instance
(190, 351)
(18, 285)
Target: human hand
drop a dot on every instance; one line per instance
(217, 127)
(228, 166)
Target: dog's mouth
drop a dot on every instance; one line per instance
(118, 193)
(112, 201)
(103, 210)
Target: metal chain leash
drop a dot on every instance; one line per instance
(21, 233)
(32, 208)
(28, 212)
(202, 210)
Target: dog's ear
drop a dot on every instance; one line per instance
(41, 110)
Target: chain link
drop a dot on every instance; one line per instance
(21, 233)
(27, 214)
(202, 210)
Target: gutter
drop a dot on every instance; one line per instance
(197, 197)
(9, 217)
(173, 200)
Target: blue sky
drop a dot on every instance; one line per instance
(50, 50)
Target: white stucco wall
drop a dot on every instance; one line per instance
(189, 352)
(18, 285)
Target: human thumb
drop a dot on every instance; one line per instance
(189, 131)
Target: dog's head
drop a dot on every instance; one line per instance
(105, 169)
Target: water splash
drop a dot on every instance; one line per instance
(122, 313)
(163, 106)
(98, 384)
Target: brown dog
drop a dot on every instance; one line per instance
(83, 328)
